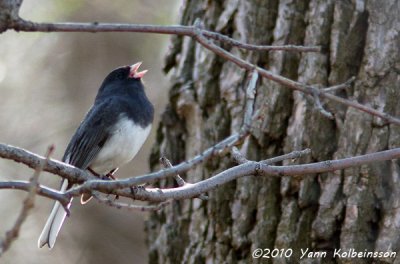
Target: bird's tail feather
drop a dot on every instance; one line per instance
(54, 222)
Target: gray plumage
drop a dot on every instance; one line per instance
(109, 136)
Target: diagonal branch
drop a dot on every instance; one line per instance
(167, 164)
(306, 89)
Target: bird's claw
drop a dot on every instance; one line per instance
(135, 189)
(110, 176)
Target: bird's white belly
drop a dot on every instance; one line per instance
(125, 142)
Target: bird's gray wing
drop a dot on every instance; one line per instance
(91, 135)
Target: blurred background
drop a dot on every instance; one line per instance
(47, 83)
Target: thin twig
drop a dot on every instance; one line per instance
(339, 86)
(250, 97)
(181, 182)
(318, 105)
(240, 159)
(167, 164)
(130, 207)
(237, 156)
(238, 44)
(292, 155)
(28, 204)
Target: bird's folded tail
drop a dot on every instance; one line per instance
(54, 222)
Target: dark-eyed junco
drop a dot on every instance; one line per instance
(109, 136)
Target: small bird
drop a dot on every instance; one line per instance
(109, 136)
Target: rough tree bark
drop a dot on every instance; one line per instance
(355, 208)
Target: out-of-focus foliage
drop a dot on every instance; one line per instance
(47, 83)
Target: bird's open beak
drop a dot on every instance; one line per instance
(134, 73)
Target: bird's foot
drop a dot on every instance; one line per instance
(105, 177)
(93, 172)
(110, 176)
(136, 189)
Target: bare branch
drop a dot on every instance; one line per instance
(89, 183)
(40, 190)
(318, 105)
(260, 169)
(287, 82)
(8, 13)
(222, 38)
(76, 175)
(247, 168)
(237, 156)
(251, 168)
(131, 207)
(110, 186)
(388, 118)
(13, 233)
(339, 86)
(94, 27)
(178, 178)
(23, 25)
(167, 164)
(292, 155)
(250, 97)
(202, 36)
(240, 159)
(33, 160)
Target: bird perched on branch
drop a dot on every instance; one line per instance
(109, 136)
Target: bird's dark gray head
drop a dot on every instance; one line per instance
(122, 81)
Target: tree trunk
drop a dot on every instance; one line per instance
(354, 208)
